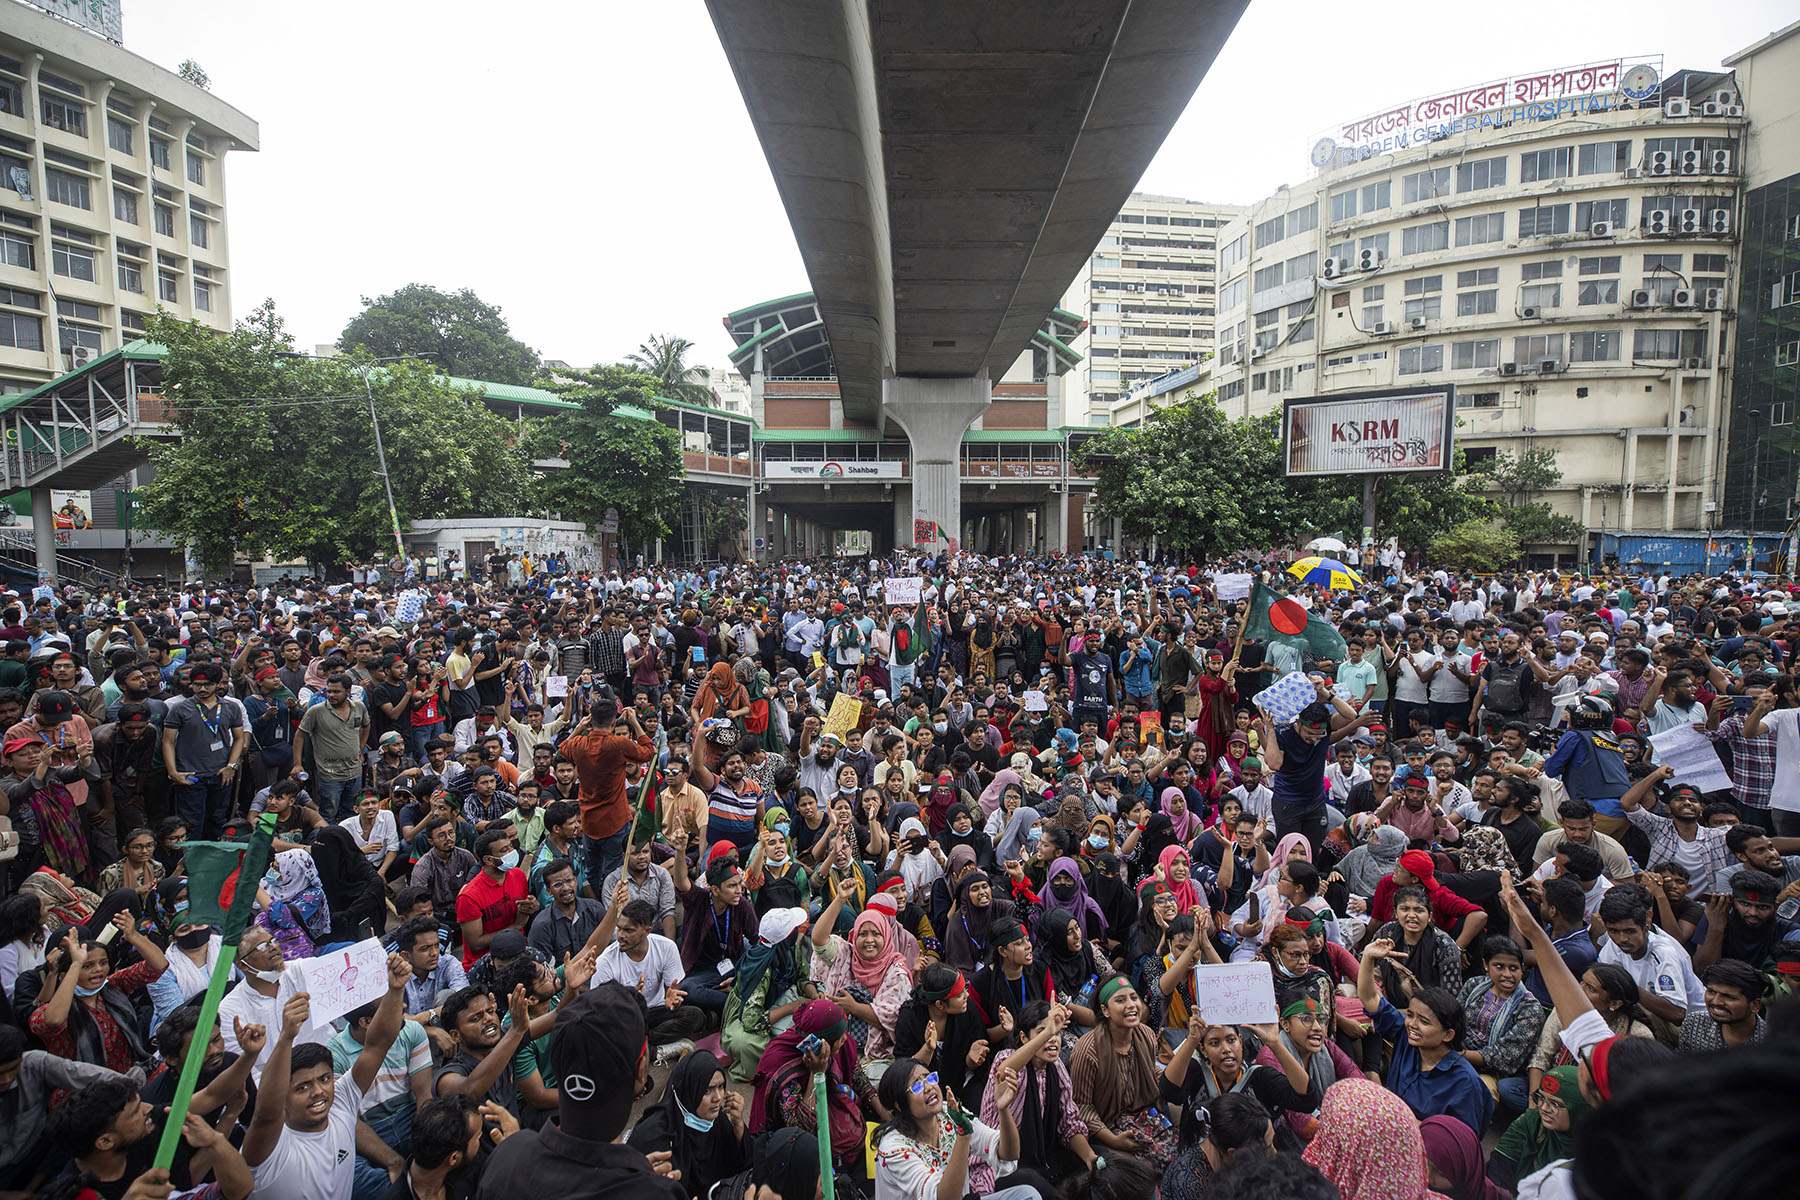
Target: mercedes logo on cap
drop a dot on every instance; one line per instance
(578, 1087)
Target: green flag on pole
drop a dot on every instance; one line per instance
(1273, 617)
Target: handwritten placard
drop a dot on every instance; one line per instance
(1036, 701)
(343, 980)
(845, 713)
(1232, 585)
(556, 687)
(1235, 993)
(904, 590)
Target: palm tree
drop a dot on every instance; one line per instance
(665, 357)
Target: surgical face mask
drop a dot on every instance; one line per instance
(88, 991)
(941, 727)
(260, 976)
(181, 906)
(509, 860)
(1099, 841)
(782, 828)
(1033, 835)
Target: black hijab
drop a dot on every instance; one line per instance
(702, 1158)
(1069, 969)
(1159, 833)
(1113, 897)
(353, 888)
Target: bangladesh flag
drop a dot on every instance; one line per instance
(1272, 617)
(222, 879)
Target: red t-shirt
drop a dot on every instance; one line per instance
(497, 904)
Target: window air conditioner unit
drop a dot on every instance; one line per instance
(1334, 266)
(1724, 98)
(1719, 162)
(1549, 366)
(1713, 300)
(1719, 221)
(1690, 220)
(1681, 298)
(1662, 163)
(1657, 224)
(1712, 108)
(1675, 108)
(1691, 364)
(1690, 162)
(1634, 172)
(1530, 312)
(1382, 328)
(1600, 229)
(1511, 368)
(1368, 260)
(1416, 323)
(1640, 298)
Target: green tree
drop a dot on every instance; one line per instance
(664, 358)
(615, 460)
(459, 331)
(277, 454)
(1476, 546)
(1516, 477)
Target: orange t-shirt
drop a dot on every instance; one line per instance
(600, 760)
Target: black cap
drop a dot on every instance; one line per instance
(53, 708)
(508, 943)
(598, 1041)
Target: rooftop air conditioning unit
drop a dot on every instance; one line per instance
(1509, 368)
(1382, 328)
(1368, 260)
(1690, 162)
(1713, 300)
(1600, 229)
(1530, 312)
(1690, 220)
(1724, 98)
(1691, 364)
(1675, 108)
(1734, 110)
(1719, 221)
(1416, 323)
(1549, 366)
(1657, 223)
(1334, 266)
(1712, 108)
(1719, 162)
(1662, 163)
(1634, 172)
(1640, 299)
(1681, 298)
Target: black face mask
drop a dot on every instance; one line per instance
(193, 939)
(1063, 889)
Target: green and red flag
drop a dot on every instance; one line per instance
(1273, 617)
(222, 879)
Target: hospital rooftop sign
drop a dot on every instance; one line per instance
(1547, 95)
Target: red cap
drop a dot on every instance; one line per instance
(14, 745)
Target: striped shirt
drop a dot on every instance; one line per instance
(731, 815)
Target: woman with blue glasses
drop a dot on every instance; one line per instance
(931, 1149)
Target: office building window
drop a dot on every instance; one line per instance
(1666, 345)
(1303, 332)
(131, 277)
(196, 168)
(1787, 354)
(118, 134)
(1483, 227)
(1545, 220)
(1588, 212)
(12, 96)
(1233, 253)
(1303, 219)
(1539, 291)
(1268, 277)
(197, 232)
(1420, 360)
(1600, 158)
(18, 250)
(75, 261)
(20, 331)
(1422, 300)
(1601, 345)
(1478, 303)
(1425, 185)
(1486, 173)
(168, 287)
(1303, 266)
(1377, 195)
(1477, 400)
(65, 188)
(1422, 239)
(70, 116)
(1539, 346)
(1544, 164)
(1343, 205)
(125, 206)
(1662, 276)
(1271, 231)
(1597, 291)
(159, 152)
(1378, 242)
(203, 295)
(165, 220)
(1476, 355)
(1344, 252)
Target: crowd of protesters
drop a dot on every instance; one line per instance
(931, 881)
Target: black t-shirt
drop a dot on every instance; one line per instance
(1299, 786)
(961, 1031)
(504, 1092)
(379, 721)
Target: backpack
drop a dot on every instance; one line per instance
(1506, 687)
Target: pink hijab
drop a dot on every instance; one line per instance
(1187, 896)
(1283, 848)
(1369, 1145)
(1186, 824)
(872, 974)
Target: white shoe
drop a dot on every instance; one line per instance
(674, 1051)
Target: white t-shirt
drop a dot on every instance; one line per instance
(1784, 794)
(257, 1009)
(386, 832)
(660, 970)
(310, 1166)
(1408, 686)
(1665, 970)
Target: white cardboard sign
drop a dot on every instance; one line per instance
(1235, 993)
(902, 591)
(343, 980)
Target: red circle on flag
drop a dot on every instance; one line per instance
(1288, 617)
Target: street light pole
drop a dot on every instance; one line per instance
(381, 456)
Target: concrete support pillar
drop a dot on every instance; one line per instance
(1016, 537)
(935, 413)
(756, 510)
(1056, 524)
(1628, 493)
(1674, 453)
(903, 529)
(43, 534)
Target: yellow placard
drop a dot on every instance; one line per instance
(844, 715)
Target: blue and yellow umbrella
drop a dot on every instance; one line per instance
(1327, 573)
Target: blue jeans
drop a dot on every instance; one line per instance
(1515, 1093)
(204, 805)
(420, 735)
(604, 856)
(703, 990)
(371, 1180)
(336, 797)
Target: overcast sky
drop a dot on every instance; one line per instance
(587, 165)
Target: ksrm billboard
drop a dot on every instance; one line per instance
(1364, 433)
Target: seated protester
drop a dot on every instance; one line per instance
(1367, 865)
(648, 964)
(1076, 965)
(1751, 846)
(1733, 1013)
(1577, 825)
(765, 992)
(1614, 998)
(301, 1140)
(841, 864)
(928, 1146)
(1678, 914)
(1285, 1087)
(1502, 1017)
(221, 1088)
(390, 1104)
(1668, 989)
(914, 936)
(1459, 918)
(436, 973)
(1053, 1139)
(31, 1077)
(773, 876)
(1681, 835)
(297, 818)
(507, 945)
(1368, 1147)
(355, 892)
(439, 805)
(699, 1123)
(1426, 1070)
(566, 924)
(446, 1146)
(962, 831)
(1544, 1133)
(1410, 810)
(817, 1043)
(1422, 956)
(562, 840)
(1010, 980)
(111, 1134)
(1331, 969)
(1743, 925)
(545, 988)
(1514, 814)
(719, 926)
(1114, 1073)
(968, 930)
(1582, 864)
(958, 862)
(1168, 982)
(1210, 1137)
(1305, 1033)
(444, 867)
(941, 1027)
(497, 898)
(192, 953)
(865, 974)
(1566, 906)
(87, 1013)
(1066, 888)
(257, 1000)
(482, 1066)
